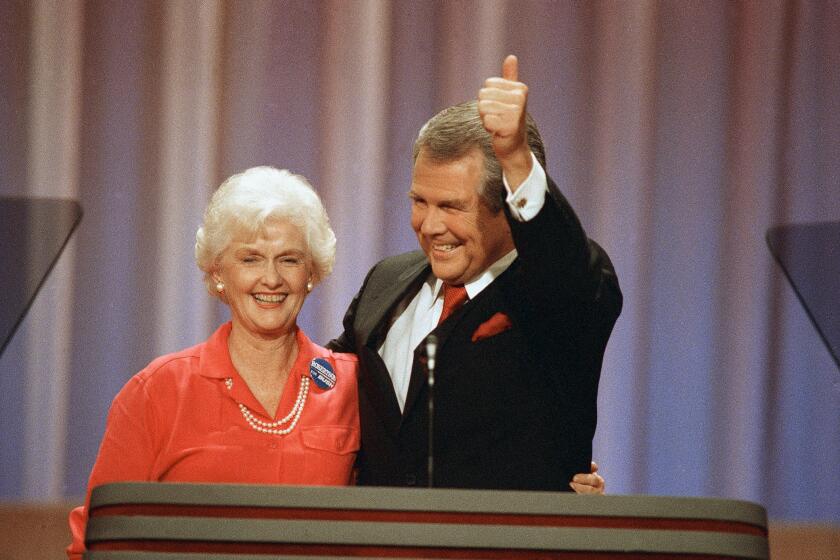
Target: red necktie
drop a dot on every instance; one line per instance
(453, 298)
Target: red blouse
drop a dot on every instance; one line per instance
(177, 421)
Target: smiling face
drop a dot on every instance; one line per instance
(265, 279)
(460, 235)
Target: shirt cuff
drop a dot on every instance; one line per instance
(529, 198)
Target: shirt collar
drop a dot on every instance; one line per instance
(477, 284)
(215, 356)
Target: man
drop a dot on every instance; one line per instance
(517, 365)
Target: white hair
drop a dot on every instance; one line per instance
(245, 202)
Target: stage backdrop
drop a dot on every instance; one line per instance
(679, 130)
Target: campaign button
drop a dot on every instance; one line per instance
(322, 373)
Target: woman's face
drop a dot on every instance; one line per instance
(265, 279)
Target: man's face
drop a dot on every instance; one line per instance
(460, 235)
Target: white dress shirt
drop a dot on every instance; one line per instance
(420, 316)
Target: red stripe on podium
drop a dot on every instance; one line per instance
(383, 551)
(461, 518)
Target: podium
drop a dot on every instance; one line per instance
(164, 521)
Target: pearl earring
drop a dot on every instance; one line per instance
(220, 286)
(309, 286)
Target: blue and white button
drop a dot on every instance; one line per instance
(322, 373)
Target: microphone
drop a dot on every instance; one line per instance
(431, 354)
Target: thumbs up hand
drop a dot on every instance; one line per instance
(502, 104)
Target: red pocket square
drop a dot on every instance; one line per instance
(492, 326)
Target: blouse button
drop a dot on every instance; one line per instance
(272, 445)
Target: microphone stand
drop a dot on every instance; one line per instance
(431, 353)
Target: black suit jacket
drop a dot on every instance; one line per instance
(516, 410)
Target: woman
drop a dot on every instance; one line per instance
(257, 402)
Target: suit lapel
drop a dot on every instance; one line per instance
(377, 319)
(486, 303)
(373, 328)
(442, 332)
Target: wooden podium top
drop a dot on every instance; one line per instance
(154, 520)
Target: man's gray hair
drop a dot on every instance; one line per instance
(456, 130)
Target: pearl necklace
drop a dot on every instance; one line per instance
(274, 427)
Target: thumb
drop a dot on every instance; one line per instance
(510, 68)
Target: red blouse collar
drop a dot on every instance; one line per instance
(214, 360)
(215, 363)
